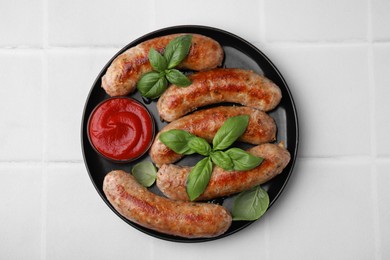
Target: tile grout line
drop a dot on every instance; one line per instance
(263, 40)
(45, 95)
(44, 152)
(374, 180)
(152, 24)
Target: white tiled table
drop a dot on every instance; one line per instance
(335, 56)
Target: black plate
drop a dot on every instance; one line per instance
(238, 54)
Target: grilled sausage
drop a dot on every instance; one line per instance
(219, 85)
(205, 123)
(178, 218)
(171, 179)
(124, 72)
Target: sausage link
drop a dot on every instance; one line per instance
(219, 85)
(205, 124)
(171, 179)
(124, 72)
(177, 218)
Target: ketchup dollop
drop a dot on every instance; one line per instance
(121, 129)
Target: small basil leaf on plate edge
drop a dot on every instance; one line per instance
(250, 204)
(145, 173)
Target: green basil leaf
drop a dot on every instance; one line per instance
(242, 160)
(250, 204)
(177, 50)
(152, 84)
(199, 178)
(145, 173)
(157, 61)
(222, 160)
(199, 145)
(230, 131)
(179, 79)
(177, 140)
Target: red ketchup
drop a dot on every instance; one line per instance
(121, 129)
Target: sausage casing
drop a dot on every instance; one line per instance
(125, 70)
(171, 179)
(219, 85)
(178, 218)
(205, 124)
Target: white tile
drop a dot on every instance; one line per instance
(330, 89)
(325, 213)
(71, 75)
(230, 15)
(81, 226)
(383, 179)
(306, 20)
(249, 243)
(382, 96)
(21, 105)
(97, 22)
(380, 19)
(21, 23)
(20, 210)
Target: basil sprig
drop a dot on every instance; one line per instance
(153, 84)
(250, 204)
(236, 159)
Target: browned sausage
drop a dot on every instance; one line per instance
(205, 123)
(219, 85)
(124, 72)
(171, 179)
(178, 218)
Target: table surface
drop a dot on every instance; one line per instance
(335, 57)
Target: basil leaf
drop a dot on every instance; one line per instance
(177, 140)
(145, 173)
(157, 61)
(199, 178)
(152, 84)
(179, 79)
(250, 204)
(199, 145)
(222, 160)
(230, 131)
(177, 50)
(243, 161)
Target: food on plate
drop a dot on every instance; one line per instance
(219, 85)
(205, 124)
(177, 218)
(171, 179)
(232, 106)
(121, 129)
(125, 70)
